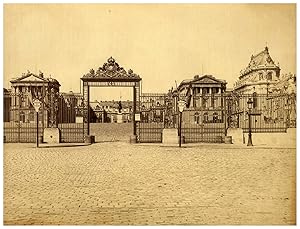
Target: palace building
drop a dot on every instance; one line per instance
(71, 111)
(205, 99)
(24, 90)
(107, 111)
(259, 76)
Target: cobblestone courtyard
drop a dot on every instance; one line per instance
(120, 184)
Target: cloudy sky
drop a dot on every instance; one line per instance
(161, 43)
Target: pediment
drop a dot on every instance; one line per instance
(31, 78)
(207, 80)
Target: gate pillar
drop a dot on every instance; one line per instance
(86, 113)
(134, 111)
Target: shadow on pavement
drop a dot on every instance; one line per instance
(63, 145)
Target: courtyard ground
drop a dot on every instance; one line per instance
(115, 183)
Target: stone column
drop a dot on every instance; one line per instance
(13, 99)
(209, 97)
(200, 98)
(17, 96)
(193, 97)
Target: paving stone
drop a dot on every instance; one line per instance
(122, 184)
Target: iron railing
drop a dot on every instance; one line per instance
(269, 113)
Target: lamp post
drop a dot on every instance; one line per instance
(181, 106)
(37, 104)
(250, 104)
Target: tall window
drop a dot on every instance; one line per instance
(205, 117)
(22, 116)
(31, 116)
(269, 76)
(197, 118)
(254, 99)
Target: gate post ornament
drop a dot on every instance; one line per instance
(36, 104)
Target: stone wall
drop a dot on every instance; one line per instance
(286, 140)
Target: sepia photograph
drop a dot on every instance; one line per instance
(149, 114)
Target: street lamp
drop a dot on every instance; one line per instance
(181, 106)
(250, 105)
(37, 104)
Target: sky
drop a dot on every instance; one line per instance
(163, 43)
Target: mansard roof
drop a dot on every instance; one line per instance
(260, 61)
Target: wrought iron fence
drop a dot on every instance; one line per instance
(269, 113)
(20, 118)
(21, 132)
(152, 110)
(70, 119)
(204, 120)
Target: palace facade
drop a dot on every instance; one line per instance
(205, 100)
(24, 89)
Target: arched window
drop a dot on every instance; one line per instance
(269, 76)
